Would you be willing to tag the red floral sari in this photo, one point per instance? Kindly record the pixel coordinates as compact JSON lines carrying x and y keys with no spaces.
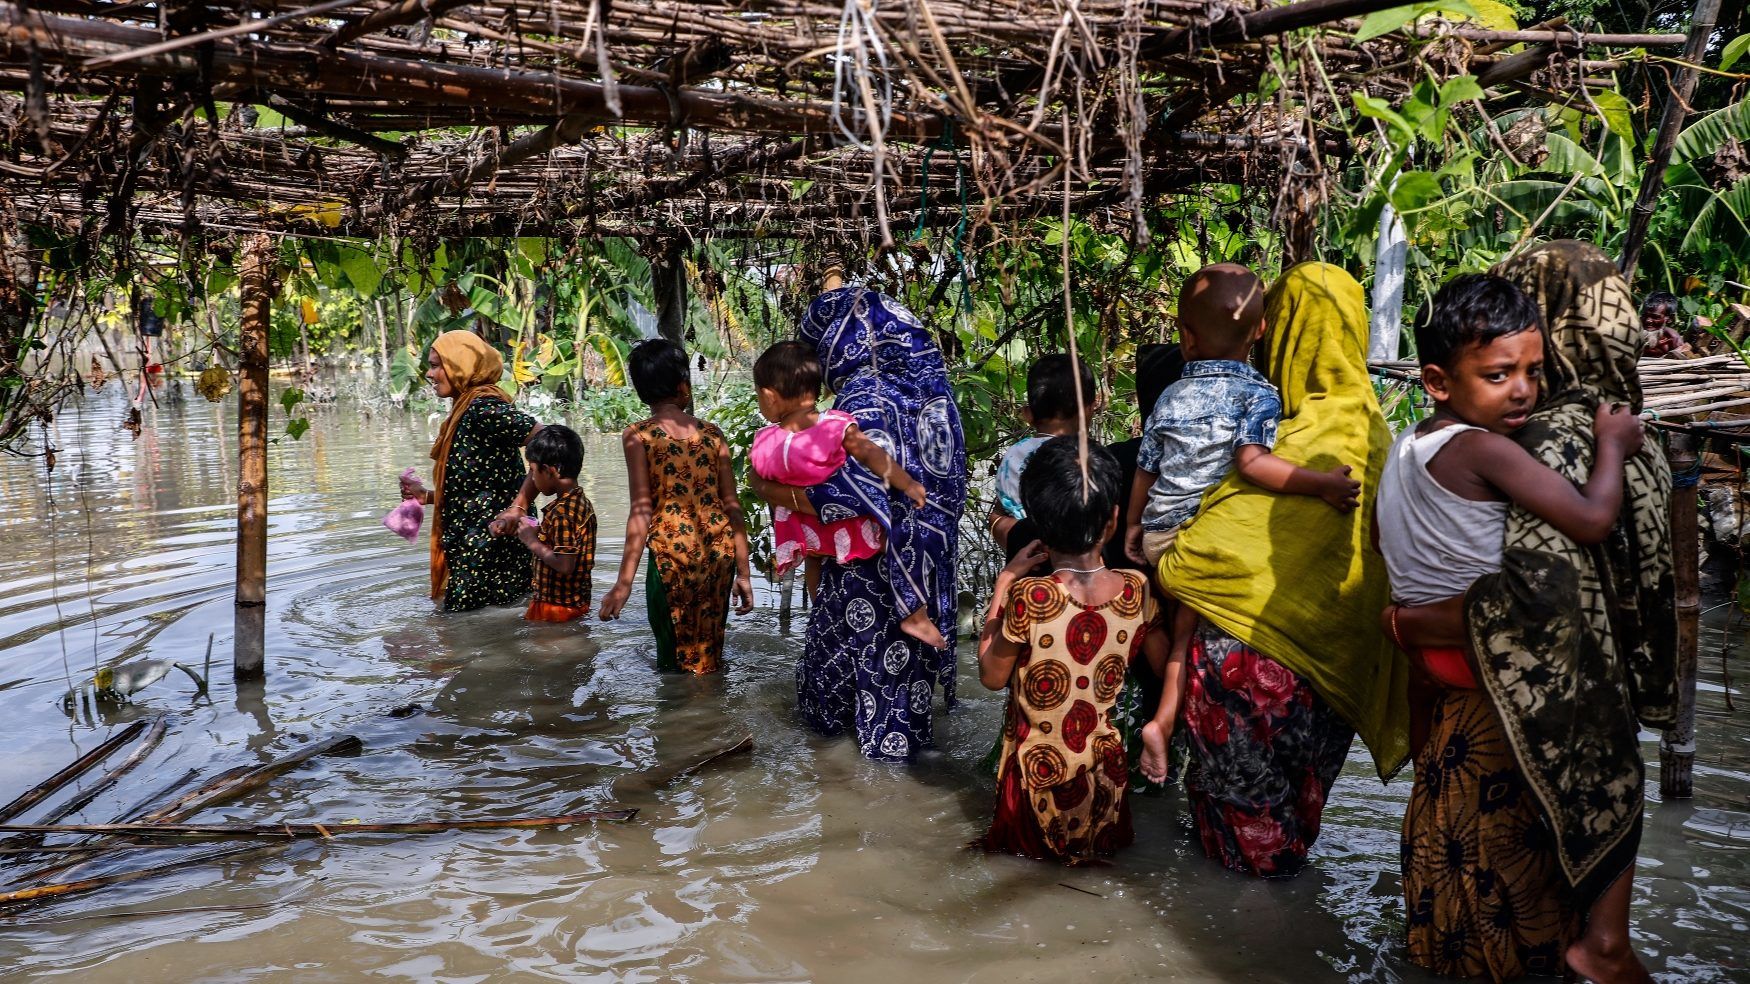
{"x":1264,"y":751}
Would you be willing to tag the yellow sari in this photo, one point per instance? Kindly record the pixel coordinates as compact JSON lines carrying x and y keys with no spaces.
{"x":1288,"y":575}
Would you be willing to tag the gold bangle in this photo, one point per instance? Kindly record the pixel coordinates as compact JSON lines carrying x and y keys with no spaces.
{"x":1397,"y":640}
{"x":795,"y":500}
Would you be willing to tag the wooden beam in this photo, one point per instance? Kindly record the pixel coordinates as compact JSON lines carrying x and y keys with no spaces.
{"x":1677,"y":744}
{"x":394,"y":15}
{"x":301,"y":71}
{"x":1261,"y":23}
{"x":1701,"y":27}
{"x":318,"y":123}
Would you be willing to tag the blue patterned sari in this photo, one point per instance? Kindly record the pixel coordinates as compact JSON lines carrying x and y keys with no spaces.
{"x":858,"y":671}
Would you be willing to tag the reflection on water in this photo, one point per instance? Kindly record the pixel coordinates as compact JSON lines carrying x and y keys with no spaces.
{"x":799,"y":861}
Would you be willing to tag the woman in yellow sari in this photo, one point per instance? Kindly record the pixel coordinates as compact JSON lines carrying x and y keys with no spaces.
{"x":1288,"y":663}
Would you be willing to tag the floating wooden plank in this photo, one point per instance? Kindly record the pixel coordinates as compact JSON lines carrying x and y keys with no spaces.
{"x":79,"y":767}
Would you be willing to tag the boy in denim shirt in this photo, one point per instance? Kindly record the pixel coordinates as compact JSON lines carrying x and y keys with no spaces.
{"x":1221,"y":414}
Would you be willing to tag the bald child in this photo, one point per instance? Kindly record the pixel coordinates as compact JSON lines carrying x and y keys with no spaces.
{"x":1220,"y":415}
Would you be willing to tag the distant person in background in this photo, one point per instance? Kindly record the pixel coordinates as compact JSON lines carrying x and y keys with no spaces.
{"x":480,"y":487}
{"x":1052,"y":412}
{"x":684,"y":509}
{"x":1158,"y":366}
{"x":1659,"y":315}
{"x":564,"y":541}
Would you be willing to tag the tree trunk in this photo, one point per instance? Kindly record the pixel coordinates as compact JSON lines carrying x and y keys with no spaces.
{"x":257,"y":291}
{"x":668,"y":274}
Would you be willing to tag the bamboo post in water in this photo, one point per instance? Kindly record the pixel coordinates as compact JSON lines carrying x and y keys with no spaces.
{"x":1677,"y":745}
{"x":257,"y":288}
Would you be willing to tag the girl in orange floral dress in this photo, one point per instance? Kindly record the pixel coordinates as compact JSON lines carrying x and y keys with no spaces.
{"x":684,"y":509}
{"x":1065,"y":642}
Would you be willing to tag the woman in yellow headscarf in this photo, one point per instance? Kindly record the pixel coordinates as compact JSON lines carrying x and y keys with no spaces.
{"x":478,"y":478}
{"x":1288,"y":662}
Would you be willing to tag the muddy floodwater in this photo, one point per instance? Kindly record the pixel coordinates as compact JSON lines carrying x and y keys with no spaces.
{"x":800,"y":861}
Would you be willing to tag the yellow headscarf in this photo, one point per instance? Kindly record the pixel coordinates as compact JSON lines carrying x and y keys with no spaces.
{"x":474,"y":369}
{"x":1286,"y":574}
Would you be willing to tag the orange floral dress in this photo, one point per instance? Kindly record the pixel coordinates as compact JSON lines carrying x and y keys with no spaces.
{"x":692,"y":547}
{"x":1063,"y":771}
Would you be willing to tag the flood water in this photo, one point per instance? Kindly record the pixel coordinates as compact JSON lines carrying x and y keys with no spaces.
{"x":799,"y":861}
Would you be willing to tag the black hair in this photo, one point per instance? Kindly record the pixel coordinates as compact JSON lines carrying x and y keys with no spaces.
{"x":659,"y":370}
{"x":1472,"y":308}
{"x":1660,"y":299}
{"x":1158,"y":366}
{"x":1051,"y":492}
{"x":791,"y":369}
{"x":1051,"y":390}
{"x":558,"y":446}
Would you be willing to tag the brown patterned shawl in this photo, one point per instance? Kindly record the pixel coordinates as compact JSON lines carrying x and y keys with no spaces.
{"x":1576,"y":645}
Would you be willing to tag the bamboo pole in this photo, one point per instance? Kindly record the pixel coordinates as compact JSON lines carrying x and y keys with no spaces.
{"x":79,"y":767}
{"x":1701,"y":27}
{"x":147,"y":745}
{"x":1677,"y":744}
{"x":42,"y":892}
{"x":250,"y":639}
{"x":307,"y":831}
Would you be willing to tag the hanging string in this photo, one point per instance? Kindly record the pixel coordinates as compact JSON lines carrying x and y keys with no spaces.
{"x":1069,"y":324}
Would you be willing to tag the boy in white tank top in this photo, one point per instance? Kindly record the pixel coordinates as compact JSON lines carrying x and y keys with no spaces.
{"x":1442,"y":507}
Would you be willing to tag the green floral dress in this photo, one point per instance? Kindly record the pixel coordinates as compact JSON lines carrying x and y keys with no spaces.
{"x":484,"y":472}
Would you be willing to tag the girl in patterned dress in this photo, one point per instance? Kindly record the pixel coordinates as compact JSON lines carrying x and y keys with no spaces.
{"x":1064,"y":643}
{"x":684,"y":509}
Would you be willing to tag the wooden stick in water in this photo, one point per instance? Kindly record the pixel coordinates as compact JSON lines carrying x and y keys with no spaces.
{"x":300,"y":831}
{"x":228,"y":786}
{"x":154,"y":735}
{"x":222,"y":788}
{"x":79,"y":767}
{"x":657,"y":778}
{"x":43,"y":892}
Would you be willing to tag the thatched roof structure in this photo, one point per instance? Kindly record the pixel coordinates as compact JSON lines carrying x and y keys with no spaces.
{"x":560,"y":117}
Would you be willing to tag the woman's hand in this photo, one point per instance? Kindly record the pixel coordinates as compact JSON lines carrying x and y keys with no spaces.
{"x":1025,"y":560}
{"x":528,"y":534}
{"x":615,"y":601}
{"x":507,"y":522}
{"x":743,"y":594}
{"x":414,"y":489}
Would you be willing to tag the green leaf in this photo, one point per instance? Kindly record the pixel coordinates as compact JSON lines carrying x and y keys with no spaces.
{"x":1733,"y":51}
{"x":1703,"y":137}
{"x":1618,"y":115}
{"x":360,"y":269}
{"x":799,"y":187}
{"x":1414,"y":189}
{"x":1460,"y":88}
{"x":296,"y":427}
{"x":404,"y":373}
{"x":291,"y":398}
{"x":1382,"y":22}
{"x":1401,"y":130}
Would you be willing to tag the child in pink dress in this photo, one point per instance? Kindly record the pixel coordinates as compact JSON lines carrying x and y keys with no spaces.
{"x":804,"y":446}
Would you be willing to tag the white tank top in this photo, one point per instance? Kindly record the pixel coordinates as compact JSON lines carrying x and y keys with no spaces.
{"x":1435,"y":541}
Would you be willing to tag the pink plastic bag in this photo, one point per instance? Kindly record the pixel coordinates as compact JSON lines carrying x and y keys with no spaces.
{"x":404,"y":520}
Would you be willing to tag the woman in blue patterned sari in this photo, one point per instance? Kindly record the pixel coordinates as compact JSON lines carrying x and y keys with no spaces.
{"x":858,"y":671}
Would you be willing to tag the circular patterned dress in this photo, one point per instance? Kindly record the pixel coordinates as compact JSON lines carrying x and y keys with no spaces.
{"x":481,"y":478}
{"x":1063,"y":771}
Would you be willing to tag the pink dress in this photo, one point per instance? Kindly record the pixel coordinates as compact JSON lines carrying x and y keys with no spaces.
{"x":804,"y":458}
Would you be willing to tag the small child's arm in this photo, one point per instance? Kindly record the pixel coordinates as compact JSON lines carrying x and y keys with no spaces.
{"x":562,"y":561}
{"x":743,"y":589}
{"x":882,"y":464}
{"x":1256,"y":464}
{"x":1157,"y":733}
{"x":997,"y":653}
{"x":637,"y":524}
{"x":1585,"y":515}
{"x":1139,"y":487}
{"x":1000,"y":525}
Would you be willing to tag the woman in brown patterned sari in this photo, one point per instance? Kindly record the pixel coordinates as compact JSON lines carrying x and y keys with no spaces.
{"x":1519,"y":842}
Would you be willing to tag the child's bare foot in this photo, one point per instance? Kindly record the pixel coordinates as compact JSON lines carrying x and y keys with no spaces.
{"x":919,"y":627}
{"x":1606,"y":961}
{"x":1154,"y":752}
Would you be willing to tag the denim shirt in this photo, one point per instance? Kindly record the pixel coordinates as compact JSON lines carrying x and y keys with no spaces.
{"x":1194,"y":431}
{"x":1009,"y":470}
